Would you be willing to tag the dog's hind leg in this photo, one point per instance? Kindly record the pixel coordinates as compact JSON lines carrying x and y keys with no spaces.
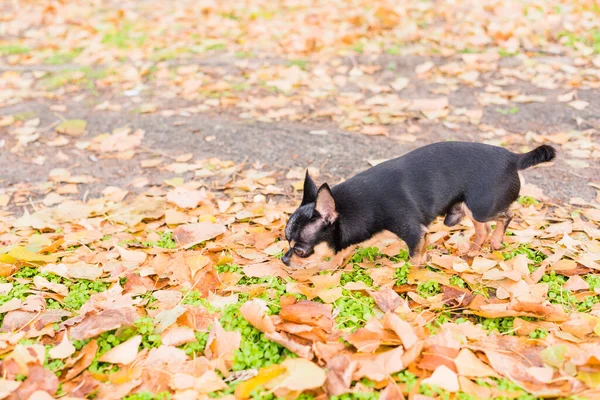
{"x":502,"y":221}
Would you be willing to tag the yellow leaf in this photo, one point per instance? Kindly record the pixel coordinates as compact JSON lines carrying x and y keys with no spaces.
{"x":301,"y":374}
{"x":19,"y":253}
{"x":6,"y":259}
{"x":73,"y":127}
{"x":243,"y":390}
{"x":207,"y":218}
{"x":592,"y":379}
{"x":225,"y":258}
{"x":597,"y":329}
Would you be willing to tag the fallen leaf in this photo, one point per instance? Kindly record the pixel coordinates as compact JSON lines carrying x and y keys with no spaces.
{"x":8,"y":386}
{"x":209,"y":382}
{"x":469,"y":365}
{"x":542,"y":374}
{"x":124,"y":353}
{"x":403,"y":329}
{"x":379,"y":366}
{"x":64,"y":349}
{"x":186,"y":198}
{"x":221,"y":346}
{"x":576,"y":283}
{"x":309,"y":313}
{"x":166,"y":318}
{"x":178,"y":335}
{"x":554,"y":355}
{"x":444,"y":378}
{"x":374,"y":130}
{"x":300,"y":375}
{"x":578,"y":104}
{"x":72,"y":127}
{"x":255,"y":312}
{"x":104,"y":321}
{"x":189,"y":235}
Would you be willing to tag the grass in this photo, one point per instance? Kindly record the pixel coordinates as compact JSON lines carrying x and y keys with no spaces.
{"x":354,"y":310}
{"x":24,"y":116}
{"x":303,"y":64}
{"x":527,"y":201}
{"x":428,"y":289}
{"x":168,"y":54}
{"x":366,"y":253}
{"x":590,"y":38}
{"x":534,"y":255}
{"x":393,"y":50}
{"x":64,"y":57}
{"x":506,"y":53}
{"x":12,"y":49}
{"x":456,"y":280}
{"x":123,"y":38}
{"x":82,"y":76}
{"x":357,"y":274}
{"x":108,"y":340}
{"x":149,"y":396}
{"x":255,"y":351}
{"x":508,"y":111}
{"x":165,"y":241}
{"x":80,"y":290}
{"x":504,"y":325}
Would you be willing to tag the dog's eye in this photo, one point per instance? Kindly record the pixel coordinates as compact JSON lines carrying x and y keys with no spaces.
{"x":299,"y":252}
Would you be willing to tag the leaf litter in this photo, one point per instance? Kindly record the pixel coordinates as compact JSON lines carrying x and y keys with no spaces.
{"x":94,"y":298}
{"x":180,"y":291}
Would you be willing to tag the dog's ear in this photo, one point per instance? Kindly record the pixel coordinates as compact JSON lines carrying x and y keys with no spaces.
{"x":325,"y":204}
{"x":310,"y":190}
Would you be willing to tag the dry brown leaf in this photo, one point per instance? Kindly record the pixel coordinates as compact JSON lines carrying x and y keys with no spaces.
{"x":444,"y":378}
{"x":309,"y":313}
{"x":469,"y":365}
{"x":221,"y":346}
{"x":374,"y":130}
{"x":386,"y":299}
{"x":178,"y":335}
{"x":189,"y":235}
{"x":186,"y":198}
{"x":104,"y":321}
{"x":124,"y":353}
{"x":255,"y":312}
{"x":403,"y":329}
{"x":379,"y":366}
{"x":63,"y":350}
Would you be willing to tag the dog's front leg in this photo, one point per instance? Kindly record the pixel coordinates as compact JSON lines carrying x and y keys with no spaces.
{"x":416,"y":240}
{"x":417,"y":254}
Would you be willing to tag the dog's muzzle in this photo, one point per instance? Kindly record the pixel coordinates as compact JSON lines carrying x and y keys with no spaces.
{"x":287,"y":257}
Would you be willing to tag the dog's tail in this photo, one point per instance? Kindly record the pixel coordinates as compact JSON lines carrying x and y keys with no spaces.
{"x":541,"y":154}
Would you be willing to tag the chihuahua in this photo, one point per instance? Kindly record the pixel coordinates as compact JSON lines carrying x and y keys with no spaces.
{"x":406,"y":194}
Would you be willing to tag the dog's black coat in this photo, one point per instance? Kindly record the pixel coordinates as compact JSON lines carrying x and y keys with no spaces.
{"x":406,"y":194}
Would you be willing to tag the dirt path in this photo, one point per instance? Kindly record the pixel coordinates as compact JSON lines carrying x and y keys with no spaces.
{"x":284,"y":144}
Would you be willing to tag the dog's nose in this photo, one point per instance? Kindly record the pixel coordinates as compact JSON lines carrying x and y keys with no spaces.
{"x":287,"y":257}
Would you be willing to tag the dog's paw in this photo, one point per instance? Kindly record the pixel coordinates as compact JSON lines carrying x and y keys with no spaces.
{"x":496,"y":244}
{"x":473,"y":250}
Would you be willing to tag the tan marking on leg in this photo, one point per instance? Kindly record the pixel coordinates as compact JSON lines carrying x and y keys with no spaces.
{"x":482,"y":232}
{"x":502,"y":221}
{"x":417,"y":259}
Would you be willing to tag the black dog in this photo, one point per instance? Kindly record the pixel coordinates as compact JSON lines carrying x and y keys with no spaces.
{"x":406,"y":194}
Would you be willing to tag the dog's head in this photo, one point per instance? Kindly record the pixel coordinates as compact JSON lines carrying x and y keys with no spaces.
{"x":313,"y":223}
